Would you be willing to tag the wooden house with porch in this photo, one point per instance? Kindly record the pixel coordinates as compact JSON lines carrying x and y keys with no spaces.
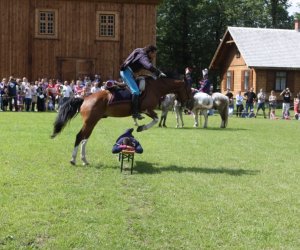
{"x":67,"y":39}
{"x":259,"y":58}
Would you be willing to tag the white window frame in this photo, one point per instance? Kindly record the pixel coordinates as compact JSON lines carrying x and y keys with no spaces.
{"x":49,"y":23}
{"x":246,"y":79}
{"x":228,"y":79}
{"x":107,"y":25}
{"x":280,"y":80}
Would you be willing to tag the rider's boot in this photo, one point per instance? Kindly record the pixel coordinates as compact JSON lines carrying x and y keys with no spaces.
{"x":135,"y":108}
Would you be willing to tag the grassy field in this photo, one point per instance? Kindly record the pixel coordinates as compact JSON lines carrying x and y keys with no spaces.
{"x":212,"y":188}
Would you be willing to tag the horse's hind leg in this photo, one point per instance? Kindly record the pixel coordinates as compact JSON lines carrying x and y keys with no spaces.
{"x":75,"y":150}
{"x":204,"y":112}
{"x":82,"y":137}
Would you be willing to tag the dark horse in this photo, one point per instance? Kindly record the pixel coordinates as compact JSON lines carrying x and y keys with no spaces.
{"x":96,"y":106}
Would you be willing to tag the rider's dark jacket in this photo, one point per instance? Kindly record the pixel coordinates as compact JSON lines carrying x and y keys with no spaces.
{"x":138,"y":60}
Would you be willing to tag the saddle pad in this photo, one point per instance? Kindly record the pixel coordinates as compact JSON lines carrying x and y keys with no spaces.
{"x":119,"y":96}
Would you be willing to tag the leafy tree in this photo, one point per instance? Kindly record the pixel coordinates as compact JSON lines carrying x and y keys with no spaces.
{"x":189,"y":31}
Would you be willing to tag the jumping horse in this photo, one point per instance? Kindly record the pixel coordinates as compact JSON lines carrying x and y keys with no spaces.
{"x":97,"y":106}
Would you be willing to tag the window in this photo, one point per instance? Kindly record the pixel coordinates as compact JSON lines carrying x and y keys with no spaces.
{"x":280,"y":83}
{"x":228,"y":79}
{"x":246,"y":79}
{"x":107,"y":25}
{"x":46,"y":23}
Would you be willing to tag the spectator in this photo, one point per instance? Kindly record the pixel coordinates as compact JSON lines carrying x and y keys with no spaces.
{"x":28,"y":96}
{"x":239,"y":104}
{"x":231,"y":104}
{"x":95,"y":87}
{"x":78,"y":91}
{"x":5,"y":98}
{"x":297,"y":107}
{"x":41,"y":95}
{"x":97,"y":78}
{"x":128,"y":142}
{"x":272,"y":105}
{"x":2,"y":85}
{"x":250,"y":99}
{"x":261,"y":99}
{"x":87,"y":89}
{"x":12,"y":94}
{"x":67,"y":92}
{"x":286,"y":94}
{"x":58,"y":87}
{"x":34,"y":87}
{"x":51,"y":92}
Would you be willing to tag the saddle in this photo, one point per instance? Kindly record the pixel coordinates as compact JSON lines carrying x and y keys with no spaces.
{"x":120,"y":93}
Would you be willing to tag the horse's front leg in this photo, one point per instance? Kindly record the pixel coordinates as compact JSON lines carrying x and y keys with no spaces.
{"x":155,"y":119}
{"x":181,"y":117}
{"x":83,"y":156}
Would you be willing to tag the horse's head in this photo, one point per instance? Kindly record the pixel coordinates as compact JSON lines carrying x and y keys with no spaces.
{"x":184,"y":95}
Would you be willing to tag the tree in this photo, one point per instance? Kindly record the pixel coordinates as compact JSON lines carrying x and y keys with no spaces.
{"x":189,"y":31}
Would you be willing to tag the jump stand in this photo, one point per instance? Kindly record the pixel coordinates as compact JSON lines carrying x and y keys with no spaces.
{"x":126,"y":155}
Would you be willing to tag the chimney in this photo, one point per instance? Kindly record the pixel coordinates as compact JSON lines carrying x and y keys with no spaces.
{"x":297,"y":28}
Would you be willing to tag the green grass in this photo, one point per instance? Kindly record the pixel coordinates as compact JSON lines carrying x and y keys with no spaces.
{"x":234,"y":188}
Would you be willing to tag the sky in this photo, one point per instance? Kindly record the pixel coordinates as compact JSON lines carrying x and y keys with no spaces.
{"x":294,"y":8}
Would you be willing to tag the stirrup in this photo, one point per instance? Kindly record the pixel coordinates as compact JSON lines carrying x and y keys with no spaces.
{"x":138,"y":116}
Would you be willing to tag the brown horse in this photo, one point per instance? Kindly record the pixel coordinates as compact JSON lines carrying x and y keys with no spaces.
{"x":96,"y":106}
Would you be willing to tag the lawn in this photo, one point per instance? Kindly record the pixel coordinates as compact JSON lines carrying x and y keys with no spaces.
{"x":233,"y":188}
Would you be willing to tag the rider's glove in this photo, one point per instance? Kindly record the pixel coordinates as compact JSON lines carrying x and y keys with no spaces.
{"x":161,"y":74}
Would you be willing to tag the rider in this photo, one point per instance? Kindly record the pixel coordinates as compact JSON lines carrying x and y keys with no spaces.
{"x":140,"y":58}
{"x":205,"y":83}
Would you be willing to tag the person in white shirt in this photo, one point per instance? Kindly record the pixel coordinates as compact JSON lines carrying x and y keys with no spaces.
{"x":239,"y":104}
{"x":95,"y":87}
{"x":261,"y":99}
{"x":28,"y":96}
{"x":66,"y":92}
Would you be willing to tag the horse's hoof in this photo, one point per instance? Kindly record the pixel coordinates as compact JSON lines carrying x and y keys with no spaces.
{"x":73,"y":163}
{"x":140,"y":128}
{"x":85,"y":164}
{"x":165,"y":126}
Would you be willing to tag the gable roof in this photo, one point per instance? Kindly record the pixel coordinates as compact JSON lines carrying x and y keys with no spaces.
{"x":265,"y":48}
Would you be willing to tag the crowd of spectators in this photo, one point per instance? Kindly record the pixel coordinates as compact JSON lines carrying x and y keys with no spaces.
{"x":19,"y":94}
{"x":261,"y":102}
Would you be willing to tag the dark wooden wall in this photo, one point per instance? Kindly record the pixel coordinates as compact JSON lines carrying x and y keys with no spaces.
{"x":21,"y":54}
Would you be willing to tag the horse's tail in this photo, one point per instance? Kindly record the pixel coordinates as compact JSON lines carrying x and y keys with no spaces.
{"x":221,"y":103}
{"x":66,"y":112}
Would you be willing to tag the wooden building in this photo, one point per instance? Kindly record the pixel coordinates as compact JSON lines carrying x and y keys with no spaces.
{"x":259,"y":58}
{"x":67,"y":39}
